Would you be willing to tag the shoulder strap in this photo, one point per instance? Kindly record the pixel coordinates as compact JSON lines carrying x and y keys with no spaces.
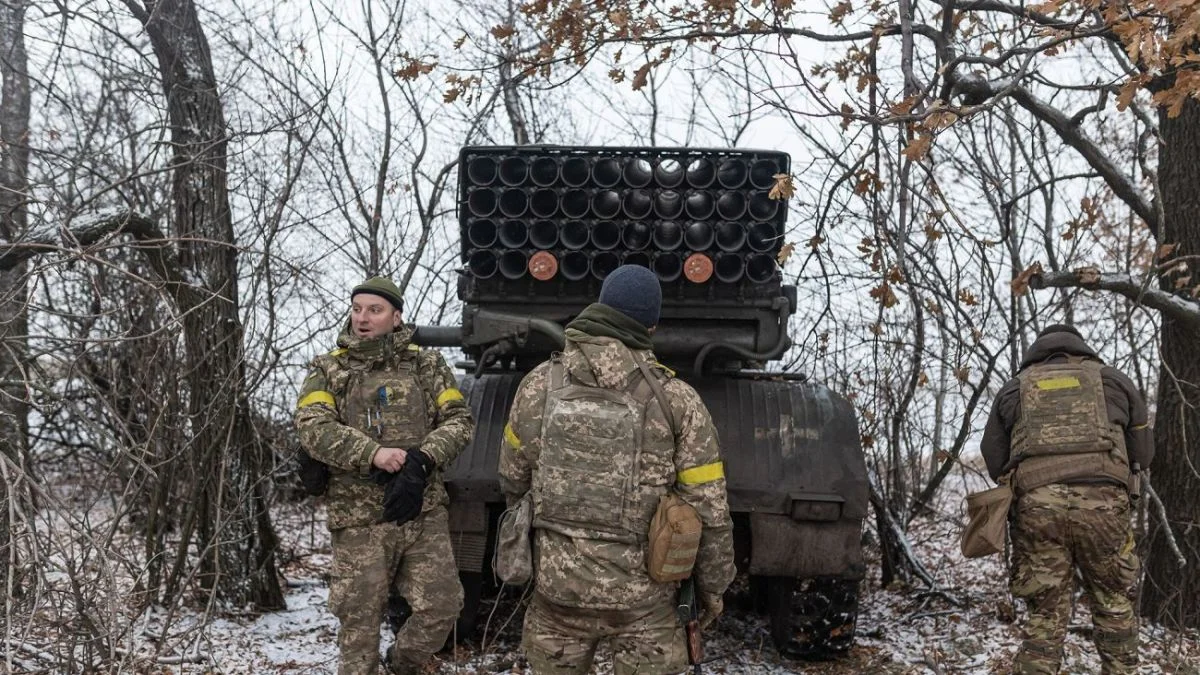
{"x":661,"y":395}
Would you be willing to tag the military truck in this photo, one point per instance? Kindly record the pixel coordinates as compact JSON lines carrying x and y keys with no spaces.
{"x":541,"y":226}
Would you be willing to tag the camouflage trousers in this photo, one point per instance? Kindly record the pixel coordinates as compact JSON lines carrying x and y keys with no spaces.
{"x":563,"y":640}
{"x":1059,"y":529}
{"x":416,"y":560}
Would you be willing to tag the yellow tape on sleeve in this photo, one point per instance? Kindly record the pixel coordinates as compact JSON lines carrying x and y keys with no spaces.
{"x":510,"y":437}
{"x":317,"y":397}
{"x":698,"y":475}
{"x":449,"y":396}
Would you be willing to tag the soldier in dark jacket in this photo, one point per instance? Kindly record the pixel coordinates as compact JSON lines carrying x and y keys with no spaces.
{"x":386,"y":417}
{"x":1070,"y":433}
{"x":597,"y":447}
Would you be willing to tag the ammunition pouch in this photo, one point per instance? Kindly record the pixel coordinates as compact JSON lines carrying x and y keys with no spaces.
{"x":674,"y":540}
{"x":514,"y":546}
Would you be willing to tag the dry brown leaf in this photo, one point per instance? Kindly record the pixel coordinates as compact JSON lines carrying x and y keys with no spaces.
{"x":641,"y":76}
{"x":412,"y":67}
{"x":1165,"y":251}
{"x":847,"y":116}
{"x":783,"y":187}
{"x":503,"y":31}
{"x":884,"y":295}
{"x":840,"y":11}
{"x":963,"y":374}
{"x":1020,"y":285}
{"x":918,"y":148}
{"x":785,"y":252}
{"x":904,"y":107}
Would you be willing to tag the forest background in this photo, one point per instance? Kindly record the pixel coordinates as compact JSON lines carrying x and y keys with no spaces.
{"x":187,"y":189}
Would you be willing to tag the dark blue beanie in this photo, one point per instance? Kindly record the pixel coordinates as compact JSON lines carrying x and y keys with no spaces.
{"x":634,"y":291}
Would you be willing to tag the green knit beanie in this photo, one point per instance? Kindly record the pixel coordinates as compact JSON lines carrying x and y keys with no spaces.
{"x":383,"y":287}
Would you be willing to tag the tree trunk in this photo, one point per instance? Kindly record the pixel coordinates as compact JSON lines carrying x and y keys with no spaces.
{"x":14,"y":347}
{"x":229,"y":521}
{"x":1171,"y":594}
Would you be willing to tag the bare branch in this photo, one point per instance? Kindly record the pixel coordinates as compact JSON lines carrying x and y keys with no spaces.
{"x":1186,"y":312}
{"x":90,"y":231}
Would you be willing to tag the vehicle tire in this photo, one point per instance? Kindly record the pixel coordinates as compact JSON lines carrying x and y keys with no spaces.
{"x":815,"y":620}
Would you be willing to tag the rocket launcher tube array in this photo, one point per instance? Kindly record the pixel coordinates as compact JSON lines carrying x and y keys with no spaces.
{"x":574,"y":217}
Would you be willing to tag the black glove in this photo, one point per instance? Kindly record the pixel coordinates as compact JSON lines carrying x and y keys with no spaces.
{"x":380,"y":476}
{"x":314,"y":475}
{"x":405,"y":492}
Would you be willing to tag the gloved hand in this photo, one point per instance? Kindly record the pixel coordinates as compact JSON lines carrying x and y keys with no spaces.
{"x":314,"y":474}
{"x":711,"y":606}
{"x":381,"y":477}
{"x":405,"y":492}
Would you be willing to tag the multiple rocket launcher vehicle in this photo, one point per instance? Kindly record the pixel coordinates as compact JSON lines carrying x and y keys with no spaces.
{"x":540,"y":227}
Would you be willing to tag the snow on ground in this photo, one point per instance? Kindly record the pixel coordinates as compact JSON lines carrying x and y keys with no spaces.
{"x":900,"y":630}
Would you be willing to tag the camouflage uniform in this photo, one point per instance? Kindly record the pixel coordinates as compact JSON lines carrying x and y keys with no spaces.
{"x":1068,"y":428}
{"x":591,"y":578}
{"x":365,"y":395}
{"x":1058,"y":528}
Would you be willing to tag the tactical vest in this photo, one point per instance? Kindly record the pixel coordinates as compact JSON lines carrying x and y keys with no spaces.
{"x":591,"y":481}
{"x":386,"y":403}
{"x":1064,"y":434}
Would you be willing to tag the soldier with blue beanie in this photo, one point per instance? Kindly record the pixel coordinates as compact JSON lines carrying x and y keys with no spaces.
{"x":596,"y":472}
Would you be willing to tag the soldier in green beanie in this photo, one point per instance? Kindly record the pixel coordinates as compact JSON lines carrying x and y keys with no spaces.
{"x":386,"y":417}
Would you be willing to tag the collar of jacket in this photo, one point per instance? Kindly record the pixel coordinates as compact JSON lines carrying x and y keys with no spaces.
{"x":378,"y":350}
{"x":600,"y":320}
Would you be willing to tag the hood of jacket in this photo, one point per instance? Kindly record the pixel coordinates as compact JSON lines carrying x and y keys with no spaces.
{"x":601,"y":361}
{"x":1053,"y":344}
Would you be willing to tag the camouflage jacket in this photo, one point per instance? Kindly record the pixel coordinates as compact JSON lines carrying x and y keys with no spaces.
{"x":594,"y":572}
{"x":368,"y":394}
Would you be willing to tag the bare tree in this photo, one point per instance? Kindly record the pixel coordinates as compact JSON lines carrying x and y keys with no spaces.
{"x":230,"y":520}
{"x":14,"y":347}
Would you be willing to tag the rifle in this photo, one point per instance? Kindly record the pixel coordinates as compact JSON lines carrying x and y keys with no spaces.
{"x":689,"y":615}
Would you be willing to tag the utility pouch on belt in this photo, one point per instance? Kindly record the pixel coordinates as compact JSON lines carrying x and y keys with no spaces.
{"x":674,"y":540}
{"x":514,"y":549}
{"x":987,"y":524}
{"x":1134,"y":485}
